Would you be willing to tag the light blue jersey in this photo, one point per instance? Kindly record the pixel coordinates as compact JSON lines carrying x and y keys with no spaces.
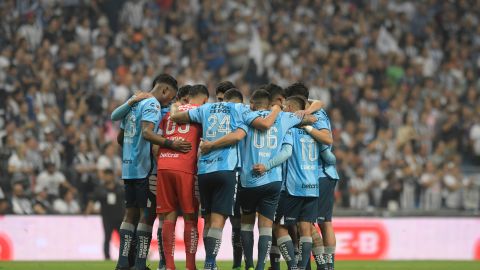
{"x":261,"y":146}
{"x":302,"y":167}
{"x":138,"y":161}
{"x":218,"y":120}
{"x":323,"y":122}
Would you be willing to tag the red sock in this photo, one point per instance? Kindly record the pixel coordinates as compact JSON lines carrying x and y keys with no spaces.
{"x":168,"y":239}
{"x":190,"y":236}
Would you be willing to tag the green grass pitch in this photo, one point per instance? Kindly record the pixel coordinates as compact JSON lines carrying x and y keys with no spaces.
{"x":341,"y":265}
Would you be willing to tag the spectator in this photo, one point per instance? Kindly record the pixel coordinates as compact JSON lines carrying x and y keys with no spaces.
{"x":4,"y":205}
{"x":21,"y":204}
{"x":41,"y":203}
{"x":111,"y":197}
{"x":453,"y":184}
{"x":109,"y":160}
{"x":359,"y":190}
{"x":66,"y":204}
{"x":430,"y":181}
{"x":51,"y":180}
{"x":19,"y":167}
{"x":85,"y":168}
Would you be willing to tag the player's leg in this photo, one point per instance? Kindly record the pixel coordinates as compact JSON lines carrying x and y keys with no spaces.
{"x":248,"y":201}
{"x":144,"y":229}
{"x":285,"y":218}
{"x":161,"y":252}
{"x":308,"y":216}
{"x":167,"y":206}
{"x":318,"y":249}
{"x":207,"y":186}
{"x":266,"y":209}
{"x":236,"y":222}
{"x":127,"y":228}
{"x":285,"y":245}
{"x":305,"y":244}
{"x":189,"y":205}
{"x":329,"y":242}
{"x":223,"y":185}
{"x":274,"y":252}
{"x":326,"y":201}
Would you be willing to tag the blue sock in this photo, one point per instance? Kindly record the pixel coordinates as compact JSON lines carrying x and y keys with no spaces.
{"x":212,"y":246}
{"x":275,"y":257}
{"x":264,"y":245}
{"x":247,"y":244}
{"x":127,"y":233}
{"x":237,"y":247}
{"x":161,"y":262}
{"x":305,"y":250}
{"x":287,"y":250}
{"x":144,"y":236}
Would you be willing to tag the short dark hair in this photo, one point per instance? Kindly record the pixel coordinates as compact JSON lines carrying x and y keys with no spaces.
{"x":232,"y":94}
{"x":261,"y":95}
{"x":299,"y":101}
{"x":183,"y":91}
{"x":166,"y":79}
{"x":198,"y":89}
{"x":273,"y":89}
{"x":297,"y":88}
{"x":224,"y":87}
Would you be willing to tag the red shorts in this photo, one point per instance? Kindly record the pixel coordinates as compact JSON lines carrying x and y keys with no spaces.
{"x":176,"y":190}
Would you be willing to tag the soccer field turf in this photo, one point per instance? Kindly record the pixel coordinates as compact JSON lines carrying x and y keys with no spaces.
{"x":342,"y":265}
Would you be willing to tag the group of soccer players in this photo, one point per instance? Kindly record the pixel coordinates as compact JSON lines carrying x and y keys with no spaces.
{"x":271,"y":160}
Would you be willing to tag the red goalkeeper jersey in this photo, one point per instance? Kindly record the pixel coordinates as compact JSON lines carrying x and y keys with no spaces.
{"x":169,"y":159}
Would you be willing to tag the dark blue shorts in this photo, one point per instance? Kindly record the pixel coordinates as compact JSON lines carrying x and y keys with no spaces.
{"x":293,"y":209}
{"x":136,"y":193}
{"x":262,"y":199}
{"x":218,"y":192}
{"x":326,"y":199}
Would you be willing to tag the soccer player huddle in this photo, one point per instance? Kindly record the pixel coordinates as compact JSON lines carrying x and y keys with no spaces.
{"x":271,"y":161}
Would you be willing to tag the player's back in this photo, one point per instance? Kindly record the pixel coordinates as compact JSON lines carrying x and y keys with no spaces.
{"x":302,"y":168}
{"x":218,"y":120}
{"x":169,"y":159}
{"x":262,"y":146}
{"x":137,"y":158}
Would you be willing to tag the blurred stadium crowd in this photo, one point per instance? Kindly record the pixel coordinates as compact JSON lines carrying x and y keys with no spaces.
{"x":400,"y":80}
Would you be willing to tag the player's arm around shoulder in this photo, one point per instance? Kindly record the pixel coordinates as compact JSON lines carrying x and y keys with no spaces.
{"x":149,"y":135}
{"x":230,"y":139}
{"x":322,"y":136}
{"x":184,"y":116}
{"x":267,"y":122}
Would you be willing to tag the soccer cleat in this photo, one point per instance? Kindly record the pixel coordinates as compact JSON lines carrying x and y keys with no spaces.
{"x":161,"y":268}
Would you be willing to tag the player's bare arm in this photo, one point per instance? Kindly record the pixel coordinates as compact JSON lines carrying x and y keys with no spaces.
{"x":120,"y":137}
{"x":315,"y":106}
{"x":180,"y":117}
{"x":267,"y":122}
{"x":121,"y":111}
{"x":225,"y":141}
{"x":323,"y":136}
{"x":177,"y":145}
{"x":308,"y":120}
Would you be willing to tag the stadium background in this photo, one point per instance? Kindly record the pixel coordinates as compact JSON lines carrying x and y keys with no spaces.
{"x":400,"y":80}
